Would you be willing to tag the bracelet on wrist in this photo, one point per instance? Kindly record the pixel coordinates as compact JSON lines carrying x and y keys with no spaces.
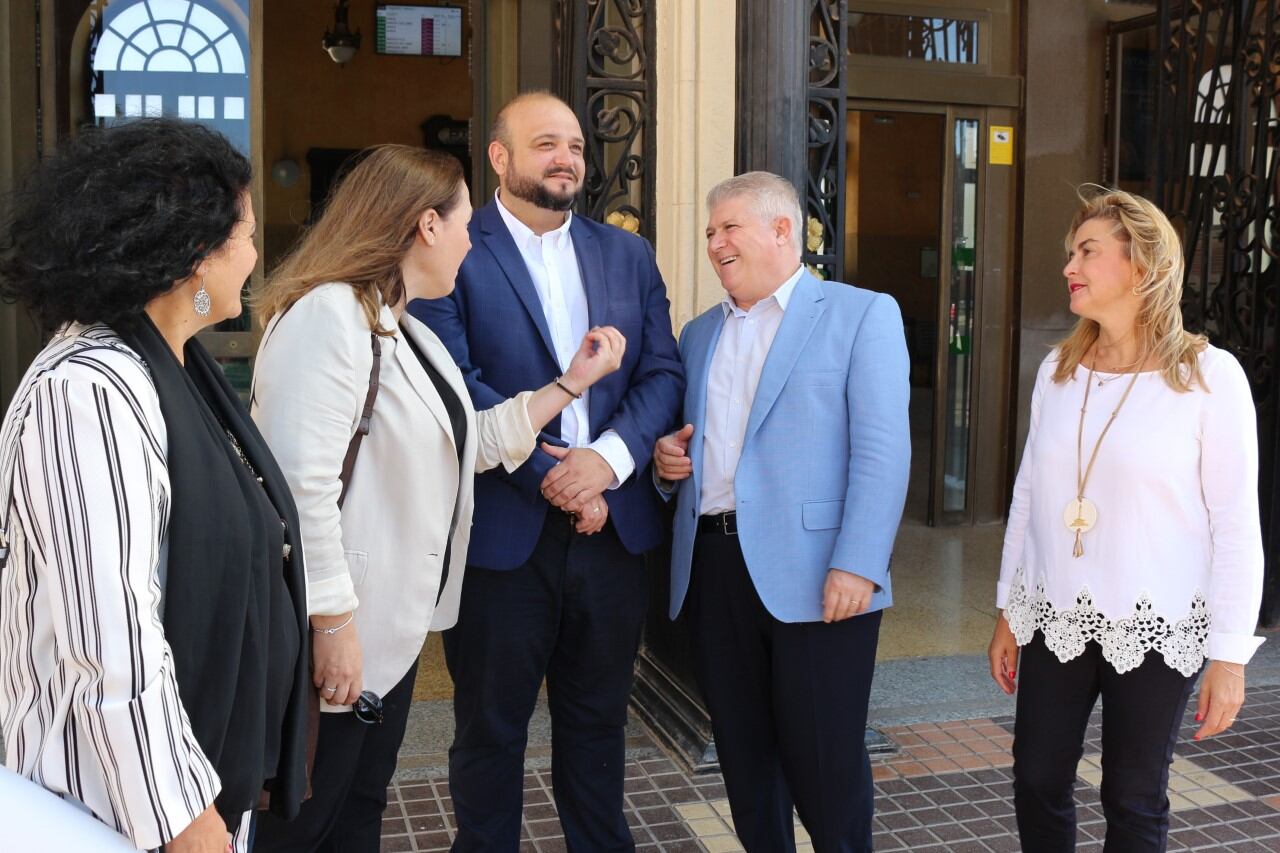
{"x":336,"y":628}
{"x":1239,"y":674}
{"x":565,"y":389}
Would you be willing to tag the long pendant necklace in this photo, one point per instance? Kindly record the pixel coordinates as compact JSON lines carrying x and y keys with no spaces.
{"x":1081,"y":514}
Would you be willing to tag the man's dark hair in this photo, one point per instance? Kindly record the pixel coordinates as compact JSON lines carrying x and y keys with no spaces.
{"x":116,"y":216}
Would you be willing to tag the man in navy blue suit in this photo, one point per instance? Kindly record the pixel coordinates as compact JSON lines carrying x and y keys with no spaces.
{"x":555,"y":585}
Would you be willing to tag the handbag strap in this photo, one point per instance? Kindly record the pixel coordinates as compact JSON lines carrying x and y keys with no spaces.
{"x":366,"y":413}
{"x":366,"y":416}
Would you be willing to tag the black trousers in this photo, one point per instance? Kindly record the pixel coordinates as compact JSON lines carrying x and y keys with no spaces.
{"x":354,"y":764}
{"x":788,"y":706}
{"x":1141,"y":713}
{"x":573,"y":615}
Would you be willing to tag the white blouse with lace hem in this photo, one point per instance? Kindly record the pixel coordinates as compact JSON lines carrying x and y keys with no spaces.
{"x":1174,"y":563}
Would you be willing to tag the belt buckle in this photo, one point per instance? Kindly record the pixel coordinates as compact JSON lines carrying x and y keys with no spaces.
{"x":729,"y":522}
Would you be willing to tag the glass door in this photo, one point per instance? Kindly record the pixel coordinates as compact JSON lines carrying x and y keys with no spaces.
{"x":954,"y":391}
{"x":913,"y":215}
{"x":894,"y":200}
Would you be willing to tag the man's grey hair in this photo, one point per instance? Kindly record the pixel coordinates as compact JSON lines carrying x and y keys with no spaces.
{"x":771,"y":197}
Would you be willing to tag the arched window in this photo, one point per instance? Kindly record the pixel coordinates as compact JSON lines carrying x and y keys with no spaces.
{"x":175,"y":58}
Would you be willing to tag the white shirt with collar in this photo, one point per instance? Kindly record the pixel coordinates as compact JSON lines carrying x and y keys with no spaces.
{"x":731,"y":389}
{"x":557,"y":277}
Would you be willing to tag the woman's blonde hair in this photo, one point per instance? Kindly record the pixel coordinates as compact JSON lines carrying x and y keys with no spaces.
{"x":369,"y":222}
{"x":1153,"y":246}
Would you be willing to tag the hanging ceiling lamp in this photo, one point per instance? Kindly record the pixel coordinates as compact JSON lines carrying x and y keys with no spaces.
{"x":341,"y":44}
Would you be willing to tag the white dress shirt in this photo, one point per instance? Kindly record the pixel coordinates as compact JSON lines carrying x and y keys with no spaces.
{"x":1174,"y":562}
{"x":553,"y":266}
{"x":731,"y":389}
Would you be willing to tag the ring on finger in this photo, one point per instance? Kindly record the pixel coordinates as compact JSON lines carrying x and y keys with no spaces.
{"x":331,"y":690}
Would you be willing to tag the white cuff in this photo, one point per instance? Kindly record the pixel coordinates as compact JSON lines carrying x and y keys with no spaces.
{"x":1002,"y":594}
{"x":1231,"y":648}
{"x":614,"y":450}
{"x":331,"y":596}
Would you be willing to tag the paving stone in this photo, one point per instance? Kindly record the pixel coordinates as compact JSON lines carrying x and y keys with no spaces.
{"x":948,"y":789}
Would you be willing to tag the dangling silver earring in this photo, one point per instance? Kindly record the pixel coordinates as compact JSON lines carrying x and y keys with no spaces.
{"x":202,"y":302}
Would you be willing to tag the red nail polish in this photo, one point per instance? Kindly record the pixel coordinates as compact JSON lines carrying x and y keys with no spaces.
{"x":1013,"y":674}
{"x":1199,"y":716}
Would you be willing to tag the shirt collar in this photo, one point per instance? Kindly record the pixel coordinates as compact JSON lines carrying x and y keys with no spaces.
{"x":782,"y":295}
{"x":523,"y":233}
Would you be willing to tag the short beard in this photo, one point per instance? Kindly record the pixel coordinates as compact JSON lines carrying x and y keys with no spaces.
{"x":535,"y":193}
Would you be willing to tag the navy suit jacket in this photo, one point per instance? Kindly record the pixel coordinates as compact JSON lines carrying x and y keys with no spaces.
{"x":494,"y":327}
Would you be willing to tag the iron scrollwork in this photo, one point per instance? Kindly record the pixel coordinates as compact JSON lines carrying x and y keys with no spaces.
{"x":606,"y":74}
{"x":1217,"y":178}
{"x":825,"y":138}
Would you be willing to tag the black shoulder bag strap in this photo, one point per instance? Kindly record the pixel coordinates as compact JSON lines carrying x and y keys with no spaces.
{"x":366,"y":414}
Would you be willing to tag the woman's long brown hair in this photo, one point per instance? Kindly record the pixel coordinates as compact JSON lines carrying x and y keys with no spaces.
{"x":369,"y":222}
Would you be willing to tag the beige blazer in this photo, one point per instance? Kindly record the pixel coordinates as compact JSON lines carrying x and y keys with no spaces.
{"x":382,"y":553}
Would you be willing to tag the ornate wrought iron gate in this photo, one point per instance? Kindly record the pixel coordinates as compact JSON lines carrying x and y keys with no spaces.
{"x":825,"y":136}
{"x":1216,"y":176}
{"x":605,"y":72}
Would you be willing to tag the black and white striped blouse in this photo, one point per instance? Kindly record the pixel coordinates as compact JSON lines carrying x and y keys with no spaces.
{"x":89,"y":707}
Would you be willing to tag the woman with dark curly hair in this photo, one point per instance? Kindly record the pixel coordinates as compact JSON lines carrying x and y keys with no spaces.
{"x":153,"y":645}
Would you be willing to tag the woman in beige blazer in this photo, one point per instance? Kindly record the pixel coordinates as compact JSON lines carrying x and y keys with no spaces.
{"x":385,"y":545}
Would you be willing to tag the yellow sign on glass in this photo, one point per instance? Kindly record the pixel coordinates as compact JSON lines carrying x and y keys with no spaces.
{"x":1001,"y":147}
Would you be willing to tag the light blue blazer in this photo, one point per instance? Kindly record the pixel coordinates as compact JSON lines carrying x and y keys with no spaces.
{"x":823,"y":474}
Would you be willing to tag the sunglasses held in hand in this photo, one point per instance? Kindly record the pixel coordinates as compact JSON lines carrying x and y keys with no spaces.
{"x":368,"y":708}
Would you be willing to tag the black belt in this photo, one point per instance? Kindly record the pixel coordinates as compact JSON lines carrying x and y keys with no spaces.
{"x":726,"y":523}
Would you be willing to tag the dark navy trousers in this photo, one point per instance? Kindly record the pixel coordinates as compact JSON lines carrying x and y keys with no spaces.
{"x":1142,"y":711}
{"x":788,"y":706}
{"x":354,"y":765}
{"x":572,"y":615}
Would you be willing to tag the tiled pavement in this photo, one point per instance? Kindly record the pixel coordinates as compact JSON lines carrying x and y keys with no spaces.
{"x":946,"y":790}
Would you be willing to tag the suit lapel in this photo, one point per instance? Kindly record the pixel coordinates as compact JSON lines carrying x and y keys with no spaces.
{"x":797,"y":325}
{"x":591,"y":269}
{"x":500,"y":243}
{"x":418,"y":378}
{"x":702,"y":346}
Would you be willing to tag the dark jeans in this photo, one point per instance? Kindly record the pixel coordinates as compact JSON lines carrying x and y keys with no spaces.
{"x":354,"y":764}
{"x":571,"y":614}
{"x":788,"y":706}
{"x":1141,"y":713}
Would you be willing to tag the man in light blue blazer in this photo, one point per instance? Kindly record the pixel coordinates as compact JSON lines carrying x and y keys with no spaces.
{"x":789,"y":479}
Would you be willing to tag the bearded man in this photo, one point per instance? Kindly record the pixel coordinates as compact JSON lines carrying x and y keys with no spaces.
{"x":555,"y":585}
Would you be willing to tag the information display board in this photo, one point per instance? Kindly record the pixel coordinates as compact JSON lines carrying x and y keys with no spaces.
{"x":420,"y":30}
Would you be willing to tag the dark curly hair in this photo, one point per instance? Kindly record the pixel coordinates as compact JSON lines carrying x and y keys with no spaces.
{"x":116,"y":216}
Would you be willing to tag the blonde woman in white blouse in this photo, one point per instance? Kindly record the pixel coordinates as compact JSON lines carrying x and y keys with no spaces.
{"x":1133,"y":553}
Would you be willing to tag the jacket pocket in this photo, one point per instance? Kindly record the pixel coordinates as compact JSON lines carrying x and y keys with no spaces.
{"x":821,"y":515}
{"x":357,"y":566}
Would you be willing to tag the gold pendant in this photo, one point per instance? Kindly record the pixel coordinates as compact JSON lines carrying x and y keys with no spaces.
{"x":1080,"y":515}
